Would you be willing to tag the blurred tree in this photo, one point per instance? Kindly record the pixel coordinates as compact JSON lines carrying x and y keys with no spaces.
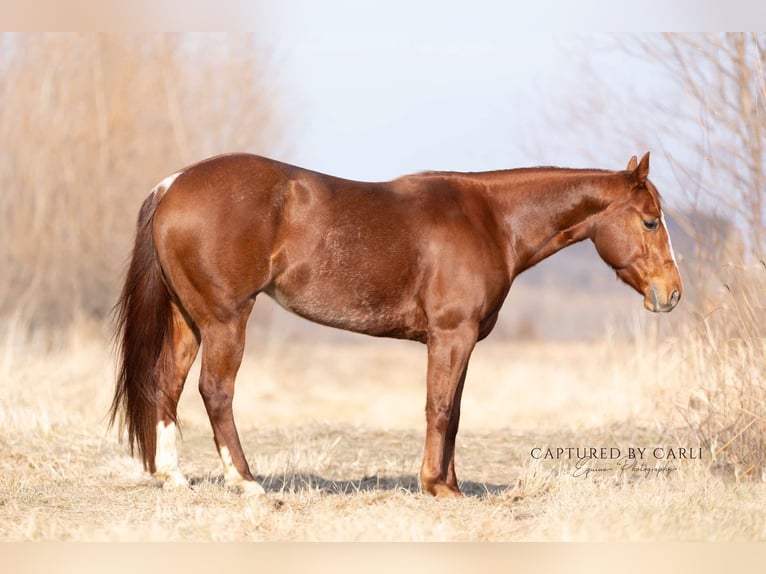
{"x":723,"y":78}
{"x":89,"y":123}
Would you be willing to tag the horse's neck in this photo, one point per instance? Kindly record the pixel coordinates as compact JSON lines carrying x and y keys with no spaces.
{"x":544,"y":211}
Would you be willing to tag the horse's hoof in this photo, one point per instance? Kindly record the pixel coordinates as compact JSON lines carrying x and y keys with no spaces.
{"x":173,"y":480}
{"x":448,"y":492}
{"x":248,"y":488}
{"x":441,"y":490}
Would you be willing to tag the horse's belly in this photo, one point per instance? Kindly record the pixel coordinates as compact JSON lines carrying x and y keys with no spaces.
{"x":352,"y":310}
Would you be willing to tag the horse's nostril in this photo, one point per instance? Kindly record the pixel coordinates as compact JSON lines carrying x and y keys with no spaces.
{"x":674,"y":296}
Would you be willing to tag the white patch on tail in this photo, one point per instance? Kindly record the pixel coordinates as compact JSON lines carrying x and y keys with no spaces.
{"x":233,"y":479}
{"x":166,"y":456}
{"x":162,"y":187}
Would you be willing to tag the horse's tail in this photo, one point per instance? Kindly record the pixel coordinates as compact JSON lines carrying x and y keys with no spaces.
{"x":144,"y":336}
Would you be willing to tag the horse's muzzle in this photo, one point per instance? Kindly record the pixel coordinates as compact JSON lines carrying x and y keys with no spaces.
{"x":655,"y":302}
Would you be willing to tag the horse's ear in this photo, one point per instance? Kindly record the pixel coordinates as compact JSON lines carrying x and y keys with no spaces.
{"x":642,"y":171}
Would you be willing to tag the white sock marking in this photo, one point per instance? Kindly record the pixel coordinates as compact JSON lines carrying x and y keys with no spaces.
{"x":233,"y":479}
{"x":166,"y":456}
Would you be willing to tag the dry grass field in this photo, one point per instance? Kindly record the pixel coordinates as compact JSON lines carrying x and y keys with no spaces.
{"x":334,"y":433}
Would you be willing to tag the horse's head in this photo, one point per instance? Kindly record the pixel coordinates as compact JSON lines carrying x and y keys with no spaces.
{"x":631,"y":236}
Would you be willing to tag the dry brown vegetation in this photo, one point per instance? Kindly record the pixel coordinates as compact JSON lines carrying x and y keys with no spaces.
{"x":728,"y":357}
{"x":339,"y":467}
{"x":90,"y":123}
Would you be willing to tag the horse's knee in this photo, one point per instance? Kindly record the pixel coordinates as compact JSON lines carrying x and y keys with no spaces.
{"x":438,"y":418}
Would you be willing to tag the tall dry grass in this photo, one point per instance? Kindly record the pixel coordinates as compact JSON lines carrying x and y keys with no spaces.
{"x":88,"y":124}
{"x":726,"y":355}
{"x":710,"y":359}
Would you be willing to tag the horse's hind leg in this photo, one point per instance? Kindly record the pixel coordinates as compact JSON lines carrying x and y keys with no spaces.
{"x":185,"y":347}
{"x":223,"y":344}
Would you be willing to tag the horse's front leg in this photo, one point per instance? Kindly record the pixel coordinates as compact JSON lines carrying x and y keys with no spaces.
{"x":448,"y":354}
{"x":454,"y":421}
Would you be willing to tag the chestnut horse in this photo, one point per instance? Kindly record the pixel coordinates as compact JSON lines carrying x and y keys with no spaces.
{"x":428,"y":257}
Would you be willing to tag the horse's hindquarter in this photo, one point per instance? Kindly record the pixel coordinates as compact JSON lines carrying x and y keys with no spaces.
{"x":214,"y":230}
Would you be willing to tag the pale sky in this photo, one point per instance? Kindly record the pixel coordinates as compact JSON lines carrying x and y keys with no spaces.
{"x":373,"y":94}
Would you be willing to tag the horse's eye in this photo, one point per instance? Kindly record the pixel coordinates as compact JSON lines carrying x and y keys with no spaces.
{"x":652,"y":224}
